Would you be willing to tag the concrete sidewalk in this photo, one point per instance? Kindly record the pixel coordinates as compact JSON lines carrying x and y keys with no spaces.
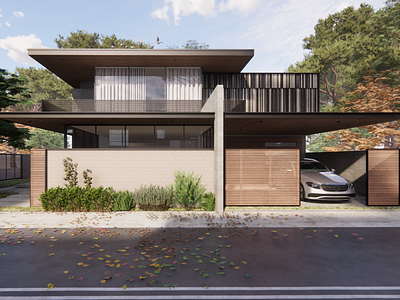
{"x":228,"y":219}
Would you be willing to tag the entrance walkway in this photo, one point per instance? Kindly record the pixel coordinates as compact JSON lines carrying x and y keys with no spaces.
{"x":22,"y":197}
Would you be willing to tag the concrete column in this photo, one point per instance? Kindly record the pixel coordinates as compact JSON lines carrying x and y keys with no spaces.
{"x":215,"y":103}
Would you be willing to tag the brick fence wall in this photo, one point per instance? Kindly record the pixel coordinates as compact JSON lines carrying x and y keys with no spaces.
{"x":129,"y":169}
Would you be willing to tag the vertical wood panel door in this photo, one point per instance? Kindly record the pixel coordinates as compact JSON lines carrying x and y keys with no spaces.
{"x":383,"y":177}
{"x":262,"y":177}
{"x":38,"y":175}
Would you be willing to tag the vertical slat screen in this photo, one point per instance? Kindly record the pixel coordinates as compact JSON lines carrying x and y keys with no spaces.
{"x":265,"y":92}
{"x":262,"y":177}
{"x":383,"y":177}
{"x":38,"y":175}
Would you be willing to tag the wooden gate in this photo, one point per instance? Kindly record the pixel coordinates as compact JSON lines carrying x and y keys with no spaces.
{"x":262,"y":177}
{"x":383,"y":177}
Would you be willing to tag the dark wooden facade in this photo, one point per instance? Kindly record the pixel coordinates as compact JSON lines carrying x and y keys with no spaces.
{"x":265,"y":92}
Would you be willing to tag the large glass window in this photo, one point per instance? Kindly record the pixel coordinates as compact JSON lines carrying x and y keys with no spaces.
{"x":111,"y":136}
{"x":194,"y":136}
{"x":169,"y":137}
{"x":141,"y":136}
{"x":151,"y":83}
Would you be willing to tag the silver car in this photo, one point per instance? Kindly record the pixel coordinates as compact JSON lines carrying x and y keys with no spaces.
{"x":320,"y":183}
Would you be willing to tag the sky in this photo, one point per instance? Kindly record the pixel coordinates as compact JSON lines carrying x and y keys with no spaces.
{"x":275,"y":29}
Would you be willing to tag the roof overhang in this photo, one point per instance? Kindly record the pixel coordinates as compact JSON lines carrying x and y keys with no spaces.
{"x":76,"y":65}
{"x":56,"y":121}
{"x":299,"y":123}
{"x":235,"y":124}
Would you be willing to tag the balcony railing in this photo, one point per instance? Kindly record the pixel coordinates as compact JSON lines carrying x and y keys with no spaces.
{"x":124,"y":106}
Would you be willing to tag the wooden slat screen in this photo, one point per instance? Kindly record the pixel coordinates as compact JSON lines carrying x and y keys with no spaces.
{"x":383,"y":177}
{"x":262,"y":177}
{"x":38,"y":175}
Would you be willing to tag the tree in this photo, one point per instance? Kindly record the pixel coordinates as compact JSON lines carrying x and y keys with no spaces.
{"x":191,"y":44}
{"x":347,"y":44}
{"x":379,"y":93}
{"x":10,"y":87}
{"x":44,"y":85}
{"x":83,"y":39}
{"x":45,"y":139}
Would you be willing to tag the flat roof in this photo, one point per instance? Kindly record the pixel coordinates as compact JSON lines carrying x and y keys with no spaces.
{"x":235,"y":123}
{"x":76,"y":65}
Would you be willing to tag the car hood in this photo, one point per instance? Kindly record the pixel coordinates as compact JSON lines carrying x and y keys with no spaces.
{"x":322,"y":177}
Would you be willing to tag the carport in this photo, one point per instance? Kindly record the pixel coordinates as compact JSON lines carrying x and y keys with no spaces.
{"x":262,"y":156}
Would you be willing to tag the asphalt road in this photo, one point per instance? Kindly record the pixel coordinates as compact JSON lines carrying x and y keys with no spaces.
{"x":194,"y":263}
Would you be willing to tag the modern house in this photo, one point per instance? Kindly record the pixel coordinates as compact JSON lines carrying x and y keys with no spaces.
{"x":139,"y":115}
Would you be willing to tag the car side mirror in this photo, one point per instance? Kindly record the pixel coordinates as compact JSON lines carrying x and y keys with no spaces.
{"x":333,"y":170}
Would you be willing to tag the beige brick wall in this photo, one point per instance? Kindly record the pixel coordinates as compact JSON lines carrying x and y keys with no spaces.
{"x":128,"y":169}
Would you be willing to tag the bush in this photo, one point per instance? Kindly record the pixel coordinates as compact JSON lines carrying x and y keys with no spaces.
{"x":208,"y":202}
{"x":77,"y":199}
{"x":187,"y":190}
{"x":123,"y":200}
{"x":152,"y":198}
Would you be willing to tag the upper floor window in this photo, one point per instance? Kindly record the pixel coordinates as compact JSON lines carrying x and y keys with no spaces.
{"x":151,"y":83}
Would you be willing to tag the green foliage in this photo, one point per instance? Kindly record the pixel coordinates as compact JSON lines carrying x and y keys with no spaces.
{"x":10,"y":88}
{"x":77,"y":199}
{"x":152,"y":197}
{"x":71,"y":174}
{"x":191,"y":44}
{"x":347,"y":44}
{"x":321,"y":141}
{"x":208,"y":202}
{"x":43,"y":85}
{"x":83,"y":39}
{"x":45,"y":139}
{"x":123,"y":200}
{"x":12,"y":182}
{"x":87,"y":180}
{"x":187,"y":190}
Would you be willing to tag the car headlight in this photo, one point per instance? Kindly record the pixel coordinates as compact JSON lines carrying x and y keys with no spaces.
{"x":313,"y":185}
{"x":351,"y":185}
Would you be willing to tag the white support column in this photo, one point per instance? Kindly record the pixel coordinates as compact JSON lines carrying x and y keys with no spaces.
{"x":215,"y":103}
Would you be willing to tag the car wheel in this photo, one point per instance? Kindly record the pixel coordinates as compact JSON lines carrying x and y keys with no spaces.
{"x":302,"y":196}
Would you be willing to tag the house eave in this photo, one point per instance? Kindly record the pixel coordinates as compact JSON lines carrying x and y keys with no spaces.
{"x":77,"y":65}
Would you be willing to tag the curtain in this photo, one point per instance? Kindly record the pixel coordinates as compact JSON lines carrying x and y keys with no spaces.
{"x":111,"y":84}
{"x":137,"y":89}
{"x":183,"y":84}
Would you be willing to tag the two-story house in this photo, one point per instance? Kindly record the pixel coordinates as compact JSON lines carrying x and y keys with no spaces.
{"x":139,"y":115}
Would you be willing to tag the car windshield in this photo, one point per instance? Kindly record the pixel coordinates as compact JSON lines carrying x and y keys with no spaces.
{"x":312,"y":166}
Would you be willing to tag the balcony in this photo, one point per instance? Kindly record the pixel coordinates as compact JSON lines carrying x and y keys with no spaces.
{"x":123,"y":106}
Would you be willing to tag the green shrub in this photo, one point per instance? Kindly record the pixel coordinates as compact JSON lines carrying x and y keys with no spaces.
{"x":77,"y":199}
{"x":152,"y":198}
{"x":208,"y":202}
{"x":123,"y":200}
{"x":187,"y":190}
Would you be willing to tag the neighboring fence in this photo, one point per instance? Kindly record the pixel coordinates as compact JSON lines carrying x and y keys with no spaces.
{"x":10,"y":166}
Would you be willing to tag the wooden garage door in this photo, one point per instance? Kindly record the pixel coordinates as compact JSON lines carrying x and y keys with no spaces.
{"x":383,"y":177}
{"x":262,"y":177}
